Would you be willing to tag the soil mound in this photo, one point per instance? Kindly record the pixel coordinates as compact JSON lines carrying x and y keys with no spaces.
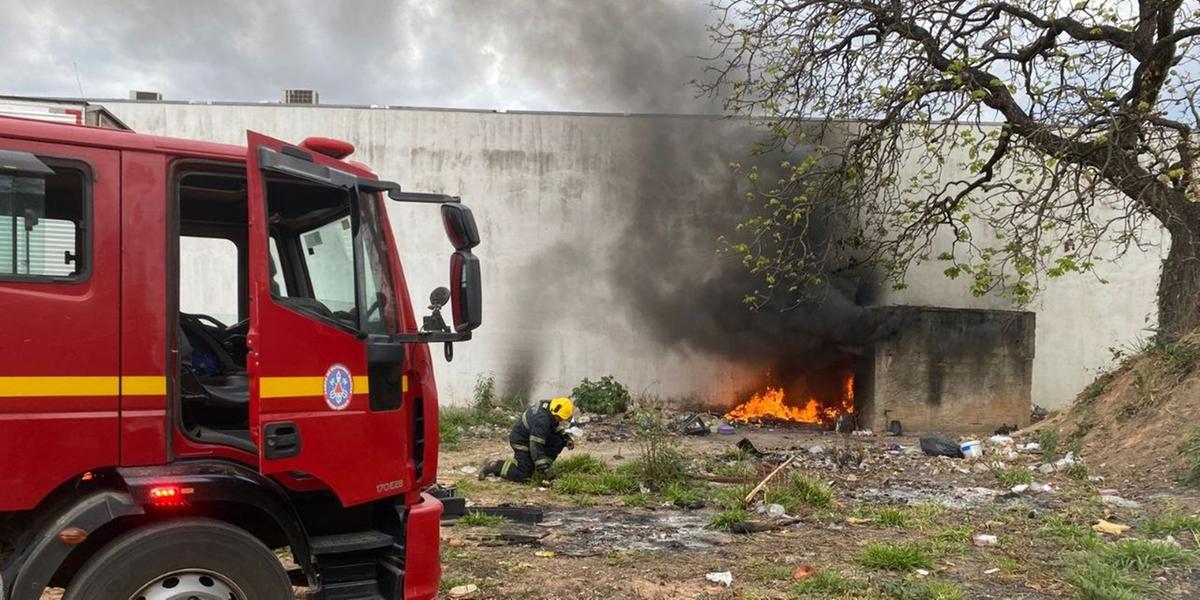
{"x":1138,"y":425}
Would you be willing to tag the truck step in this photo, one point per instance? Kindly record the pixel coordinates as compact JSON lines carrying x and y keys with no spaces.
{"x":341,"y":543}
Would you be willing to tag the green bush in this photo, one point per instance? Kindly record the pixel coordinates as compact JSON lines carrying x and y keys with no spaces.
{"x":606,"y":396}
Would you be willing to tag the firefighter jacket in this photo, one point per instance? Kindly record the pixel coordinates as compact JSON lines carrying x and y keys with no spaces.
{"x":536,"y":432}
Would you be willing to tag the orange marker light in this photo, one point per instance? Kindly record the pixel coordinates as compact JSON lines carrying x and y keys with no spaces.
{"x":72,"y":536}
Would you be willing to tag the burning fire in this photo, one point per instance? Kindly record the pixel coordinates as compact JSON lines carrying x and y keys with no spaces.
{"x":772,"y":404}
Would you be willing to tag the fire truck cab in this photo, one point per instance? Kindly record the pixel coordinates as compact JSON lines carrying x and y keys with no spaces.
{"x":151,"y":451}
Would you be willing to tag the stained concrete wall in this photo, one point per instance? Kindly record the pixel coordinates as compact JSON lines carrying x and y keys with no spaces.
{"x":557,"y":195}
{"x":949,"y":369}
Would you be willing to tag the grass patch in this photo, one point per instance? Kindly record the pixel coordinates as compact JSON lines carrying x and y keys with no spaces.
{"x":683,"y":494}
{"x":825,"y":583}
{"x":1169,"y":522}
{"x":950,"y":541}
{"x":798,"y":491}
{"x":635,"y":500}
{"x":1078,"y":472}
{"x":1095,"y":580}
{"x":475,"y":519}
{"x":912,"y":588}
{"x":890,"y":516}
{"x":1013,"y":476}
{"x":1190,"y":448}
{"x":763,"y":571}
{"x":894,"y":557}
{"x":1145,"y":555}
{"x":1048,"y":443}
{"x":728,"y":518}
{"x":579,"y":463}
{"x":1068,"y":534}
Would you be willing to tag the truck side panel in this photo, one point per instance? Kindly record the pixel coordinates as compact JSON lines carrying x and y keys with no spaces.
{"x":143,"y":308}
{"x":60,"y":376}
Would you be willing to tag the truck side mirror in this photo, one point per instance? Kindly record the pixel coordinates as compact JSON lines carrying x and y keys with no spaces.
{"x":460,"y":226}
{"x":466,"y":294}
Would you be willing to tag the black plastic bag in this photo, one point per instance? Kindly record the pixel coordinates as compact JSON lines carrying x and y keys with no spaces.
{"x":935,"y":445}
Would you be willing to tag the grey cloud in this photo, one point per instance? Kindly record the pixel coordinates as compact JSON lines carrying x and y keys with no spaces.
{"x":607,"y":55}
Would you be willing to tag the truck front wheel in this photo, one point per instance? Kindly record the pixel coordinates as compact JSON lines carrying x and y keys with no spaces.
{"x":184,"y":559}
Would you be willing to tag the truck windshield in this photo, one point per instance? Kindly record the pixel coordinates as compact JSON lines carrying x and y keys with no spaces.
{"x":313,"y":235}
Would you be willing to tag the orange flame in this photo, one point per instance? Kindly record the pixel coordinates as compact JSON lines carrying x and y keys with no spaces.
{"x":772,"y":404}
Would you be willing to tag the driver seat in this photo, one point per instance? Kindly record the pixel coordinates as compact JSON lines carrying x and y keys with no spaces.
{"x":225,"y":388}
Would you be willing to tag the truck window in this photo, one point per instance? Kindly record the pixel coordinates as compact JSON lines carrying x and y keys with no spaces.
{"x":313,"y":227}
{"x":41,"y":225}
{"x":208,"y":277}
{"x":328,"y":253}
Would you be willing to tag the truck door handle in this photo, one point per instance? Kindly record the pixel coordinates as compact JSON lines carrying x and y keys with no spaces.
{"x":282,"y":440}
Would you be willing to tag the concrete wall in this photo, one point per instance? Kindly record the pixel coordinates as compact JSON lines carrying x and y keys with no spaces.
{"x":950,"y":370}
{"x":560,"y":199}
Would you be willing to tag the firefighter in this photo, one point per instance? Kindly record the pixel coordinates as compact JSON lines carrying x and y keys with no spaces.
{"x":537,"y":439}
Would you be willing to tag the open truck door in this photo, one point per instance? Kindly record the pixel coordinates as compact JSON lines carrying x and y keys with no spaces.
{"x":317,"y":286}
{"x":332,"y":336}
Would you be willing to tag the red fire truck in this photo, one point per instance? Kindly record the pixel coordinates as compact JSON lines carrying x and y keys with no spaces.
{"x":151,"y":453}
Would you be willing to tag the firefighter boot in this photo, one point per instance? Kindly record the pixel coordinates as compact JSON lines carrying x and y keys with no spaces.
{"x":490,"y":468}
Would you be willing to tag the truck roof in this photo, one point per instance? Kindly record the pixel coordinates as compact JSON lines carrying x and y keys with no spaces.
{"x":46,"y":131}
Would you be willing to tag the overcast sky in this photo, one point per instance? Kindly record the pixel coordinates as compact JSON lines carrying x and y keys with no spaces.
{"x":604,"y":55}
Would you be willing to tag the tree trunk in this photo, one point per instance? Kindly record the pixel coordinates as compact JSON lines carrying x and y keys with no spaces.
{"x":1179,"y":285}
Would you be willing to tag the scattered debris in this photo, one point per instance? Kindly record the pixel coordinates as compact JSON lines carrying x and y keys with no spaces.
{"x":845,"y":423}
{"x":773,"y":511}
{"x":463,"y":591}
{"x":1001,"y":440}
{"x":1005,"y":429}
{"x":1119,"y":502}
{"x":895,"y":429}
{"x":991,"y":571}
{"x":1109,"y":528}
{"x":984,"y":539}
{"x":803,"y":572}
{"x":816,"y":450}
{"x":694,"y":425}
{"x":971,"y":449}
{"x":469,"y":470}
{"x":863,"y":433}
{"x":921,"y":573}
{"x":1037,"y":414}
{"x":857,"y":521}
{"x":935,"y":445}
{"x":722,"y":577}
{"x":1019,"y":489}
{"x":745,"y":445}
{"x":545,"y":554}
{"x":760,"y":526}
{"x":758,"y":488}
{"x":1030,"y":447}
{"x":725,"y":429}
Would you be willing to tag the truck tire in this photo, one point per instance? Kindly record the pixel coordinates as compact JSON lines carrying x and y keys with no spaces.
{"x":185,"y":558}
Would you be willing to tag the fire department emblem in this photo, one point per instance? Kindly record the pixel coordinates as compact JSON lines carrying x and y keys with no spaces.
{"x":339,"y":385}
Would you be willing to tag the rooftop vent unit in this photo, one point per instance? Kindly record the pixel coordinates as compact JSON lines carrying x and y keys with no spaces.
{"x":145,"y":96}
{"x":296,"y":96}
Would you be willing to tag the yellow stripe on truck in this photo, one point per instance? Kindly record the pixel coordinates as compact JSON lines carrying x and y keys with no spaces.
{"x":103,"y":385}
{"x":296,"y":387}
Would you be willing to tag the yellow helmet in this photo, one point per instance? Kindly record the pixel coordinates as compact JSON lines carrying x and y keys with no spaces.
{"x":562,"y":408}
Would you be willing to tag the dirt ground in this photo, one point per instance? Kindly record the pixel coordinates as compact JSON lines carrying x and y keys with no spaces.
{"x":884,"y":491}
